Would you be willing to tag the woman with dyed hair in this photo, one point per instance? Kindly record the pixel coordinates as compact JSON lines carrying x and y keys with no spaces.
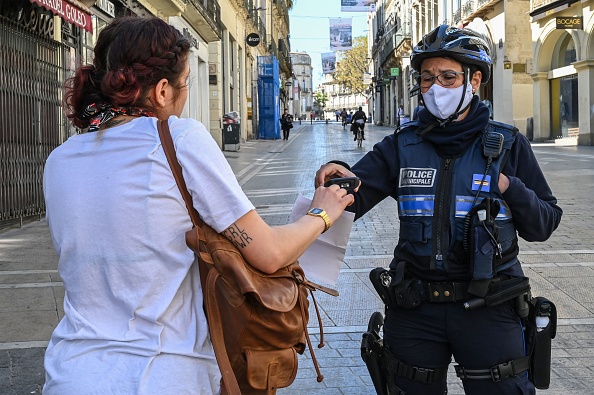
{"x":133,"y":320}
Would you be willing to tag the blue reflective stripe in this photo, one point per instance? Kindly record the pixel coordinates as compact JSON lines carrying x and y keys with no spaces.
{"x":464,"y":203}
{"x":416,"y":205}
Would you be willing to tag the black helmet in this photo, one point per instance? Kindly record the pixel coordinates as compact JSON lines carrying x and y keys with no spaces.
{"x":463,"y":45}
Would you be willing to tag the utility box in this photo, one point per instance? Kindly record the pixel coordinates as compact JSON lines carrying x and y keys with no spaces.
{"x":231,"y":131}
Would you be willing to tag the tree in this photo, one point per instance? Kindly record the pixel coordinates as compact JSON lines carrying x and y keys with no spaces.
{"x":351,"y":66}
{"x":320,"y":99}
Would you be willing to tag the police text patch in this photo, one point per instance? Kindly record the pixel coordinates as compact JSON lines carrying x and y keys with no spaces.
{"x":416,"y":177}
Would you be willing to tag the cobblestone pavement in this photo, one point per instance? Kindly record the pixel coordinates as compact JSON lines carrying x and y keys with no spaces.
{"x":273,"y":173}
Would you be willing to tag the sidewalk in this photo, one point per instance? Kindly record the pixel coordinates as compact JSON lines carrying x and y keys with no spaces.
{"x":272,"y":173}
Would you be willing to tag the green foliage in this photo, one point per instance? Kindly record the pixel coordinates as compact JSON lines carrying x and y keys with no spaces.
{"x":351,"y":66}
{"x":320,"y":99}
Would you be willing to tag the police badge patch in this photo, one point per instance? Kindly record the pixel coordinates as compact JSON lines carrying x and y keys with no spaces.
{"x":477,"y":180}
{"x":416,"y":177}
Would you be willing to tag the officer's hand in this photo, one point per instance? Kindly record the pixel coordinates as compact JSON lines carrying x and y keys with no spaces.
{"x":332,"y":170}
{"x":503,"y":183}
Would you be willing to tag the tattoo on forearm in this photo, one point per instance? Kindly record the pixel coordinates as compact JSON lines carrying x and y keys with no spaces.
{"x":238,"y":237}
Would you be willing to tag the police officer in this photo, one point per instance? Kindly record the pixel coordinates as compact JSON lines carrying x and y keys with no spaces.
{"x":466,"y":188}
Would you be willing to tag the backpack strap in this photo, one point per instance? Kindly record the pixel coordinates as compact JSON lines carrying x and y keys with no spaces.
{"x":207,"y":277}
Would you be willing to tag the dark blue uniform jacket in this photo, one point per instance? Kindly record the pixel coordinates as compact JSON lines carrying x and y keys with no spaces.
{"x":528,"y":200}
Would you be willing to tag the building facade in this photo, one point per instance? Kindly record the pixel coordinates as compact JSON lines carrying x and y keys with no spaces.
{"x":398,"y":25}
{"x":48,"y":38}
{"x":563,"y":70}
{"x":302,"y":83}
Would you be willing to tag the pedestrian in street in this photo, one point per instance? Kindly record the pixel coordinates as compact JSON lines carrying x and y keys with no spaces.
{"x":466,"y":187}
{"x":400,"y":115}
{"x":286,"y":124}
{"x":344,"y":115}
{"x":134,"y":320}
{"x":337,"y":115}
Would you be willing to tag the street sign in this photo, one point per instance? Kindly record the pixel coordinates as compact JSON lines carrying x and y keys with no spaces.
{"x":395,"y":71}
{"x":253,"y":39}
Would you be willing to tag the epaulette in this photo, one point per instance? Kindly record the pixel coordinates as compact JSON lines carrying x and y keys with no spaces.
{"x":414,"y":124}
{"x":494,"y":125}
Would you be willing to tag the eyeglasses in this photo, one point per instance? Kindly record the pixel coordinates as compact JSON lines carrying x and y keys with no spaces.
{"x":445,"y":79}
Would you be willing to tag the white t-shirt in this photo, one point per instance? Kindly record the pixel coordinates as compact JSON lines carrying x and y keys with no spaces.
{"x":134,"y":321}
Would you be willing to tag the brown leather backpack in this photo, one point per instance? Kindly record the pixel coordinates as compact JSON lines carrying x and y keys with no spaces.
{"x":257,"y":321}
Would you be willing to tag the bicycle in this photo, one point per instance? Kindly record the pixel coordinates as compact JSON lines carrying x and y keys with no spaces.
{"x":359,"y":134}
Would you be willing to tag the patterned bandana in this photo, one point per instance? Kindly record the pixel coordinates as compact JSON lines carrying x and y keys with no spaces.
{"x":103,"y":112}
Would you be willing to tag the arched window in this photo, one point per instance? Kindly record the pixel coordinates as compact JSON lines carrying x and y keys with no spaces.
{"x":566,"y":53}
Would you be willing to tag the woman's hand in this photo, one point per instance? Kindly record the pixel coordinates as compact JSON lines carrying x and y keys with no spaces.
{"x":333,"y":200}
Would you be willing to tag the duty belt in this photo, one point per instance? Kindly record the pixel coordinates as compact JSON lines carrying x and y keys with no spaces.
{"x":437,"y":292}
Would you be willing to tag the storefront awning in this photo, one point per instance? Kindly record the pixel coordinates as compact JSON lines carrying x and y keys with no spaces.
{"x":78,"y":14}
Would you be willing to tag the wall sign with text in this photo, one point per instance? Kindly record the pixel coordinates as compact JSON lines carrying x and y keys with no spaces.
{"x":569,"y":22}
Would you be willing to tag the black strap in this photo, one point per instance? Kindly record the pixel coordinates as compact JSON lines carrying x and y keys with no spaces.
{"x":414,"y":373}
{"x":496,"y":373}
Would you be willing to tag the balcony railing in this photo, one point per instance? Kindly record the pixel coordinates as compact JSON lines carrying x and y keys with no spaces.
{"x":457,"y":17}
{"x":536,"y":4}
{"x":468,"y":9}
{"x":210,"y":17}
{"x":281,"y":7}
{"x":403,"y":34}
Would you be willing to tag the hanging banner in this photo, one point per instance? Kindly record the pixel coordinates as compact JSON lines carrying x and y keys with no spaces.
{"x":357,"y":5}
{"x":341,"y":34}
{"x":67,"y":11}
{"x":328,"y":62}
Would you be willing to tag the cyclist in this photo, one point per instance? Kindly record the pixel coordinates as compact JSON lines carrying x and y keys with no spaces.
{"x":343,"y":115}
{"x":358,"y":120}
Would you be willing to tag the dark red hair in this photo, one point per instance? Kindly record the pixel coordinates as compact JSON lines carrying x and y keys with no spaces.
{"x":131,"y":55}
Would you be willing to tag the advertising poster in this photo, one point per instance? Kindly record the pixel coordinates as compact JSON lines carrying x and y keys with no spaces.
{"x":357,"y":5}
{"x":341,"y":34}
{"x":328,"y":62}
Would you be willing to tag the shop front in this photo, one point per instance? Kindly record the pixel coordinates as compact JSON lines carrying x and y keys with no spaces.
{"x":38,"y":45}
{"x":563,"y":73}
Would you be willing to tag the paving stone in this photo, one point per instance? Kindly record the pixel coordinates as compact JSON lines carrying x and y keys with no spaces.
{"x":272,"y":173}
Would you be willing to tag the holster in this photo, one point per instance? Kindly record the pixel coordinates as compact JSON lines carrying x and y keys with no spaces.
{"x":394,"y":289}
{"x":372,"y":353}
{"x":539,"y":340}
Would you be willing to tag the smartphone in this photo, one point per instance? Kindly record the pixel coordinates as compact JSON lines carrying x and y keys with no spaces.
{"x":348,"y":183}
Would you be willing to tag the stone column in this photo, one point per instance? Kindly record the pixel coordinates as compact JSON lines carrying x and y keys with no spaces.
{"x":585,"y":69}
{"x":542,"y":121}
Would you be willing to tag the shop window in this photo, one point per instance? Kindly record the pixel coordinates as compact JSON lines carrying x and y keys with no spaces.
{"x":564,"y":91}
{"x":564,"y":105}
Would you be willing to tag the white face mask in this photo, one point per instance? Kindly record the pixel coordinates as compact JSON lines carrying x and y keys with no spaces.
{"x":442,"y":102}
